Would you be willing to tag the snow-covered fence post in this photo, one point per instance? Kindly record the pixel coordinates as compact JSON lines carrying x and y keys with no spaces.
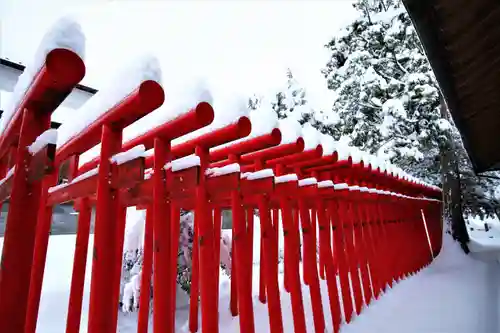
{"x":371,"y":238}
{"x":244,"y":291}
{"x":306,"y":191}
{"x":326,"y":253}
{"x":264,"y":220}
{"x":53,"y":78}
{"x":345,"y":208}
{"x":269,"y":265}
{"x":204,"y":233}
{"x":292,"y":262}
{"x":308,"y":188}
{"x":258,"y":185}
{"x":380,"y":242}
{"x":341,"y":251}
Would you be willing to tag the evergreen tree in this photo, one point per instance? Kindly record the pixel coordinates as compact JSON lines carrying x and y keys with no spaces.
{"x":291,"y":101}
{"x":477,"y":191}
{"x":388,"y":102}
{"x":387,"y":96}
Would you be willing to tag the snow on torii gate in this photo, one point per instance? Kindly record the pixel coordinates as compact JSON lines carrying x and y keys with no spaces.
{"x":368,"y":214}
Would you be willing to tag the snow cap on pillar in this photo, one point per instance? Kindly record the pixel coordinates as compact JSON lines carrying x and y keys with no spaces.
{"x":66,"y":33}
{"x":328,"y":144}
{"x":342,"y":148}
{"x":127,"y":80}
{"x":228,"y":109}
{"x":290,"y":130}
{"x":311,"y":137}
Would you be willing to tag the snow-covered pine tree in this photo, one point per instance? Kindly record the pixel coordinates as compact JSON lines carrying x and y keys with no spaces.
{"x":291,"y":99}
{"x":133,"y":256}
{"x":291,"y":102}
{"x":387,"y":98}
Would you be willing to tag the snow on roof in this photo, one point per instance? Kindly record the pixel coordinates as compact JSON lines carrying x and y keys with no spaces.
{"x":120,"y":86}
{"x":64,"y":33}
{"x":290,"y":130}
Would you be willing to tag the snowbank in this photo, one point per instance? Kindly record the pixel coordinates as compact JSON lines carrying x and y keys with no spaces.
{"x":456,"y":293}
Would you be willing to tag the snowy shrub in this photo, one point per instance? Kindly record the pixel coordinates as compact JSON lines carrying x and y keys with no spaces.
{"x":133,"y":256}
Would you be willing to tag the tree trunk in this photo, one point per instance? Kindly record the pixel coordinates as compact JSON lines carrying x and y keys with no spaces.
{"x":450,"y":175}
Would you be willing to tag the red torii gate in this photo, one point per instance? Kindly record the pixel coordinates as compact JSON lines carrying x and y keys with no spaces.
{"x":358,"y":219}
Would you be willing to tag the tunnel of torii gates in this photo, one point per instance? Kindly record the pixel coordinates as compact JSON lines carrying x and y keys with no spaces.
{"x":364,"y":216}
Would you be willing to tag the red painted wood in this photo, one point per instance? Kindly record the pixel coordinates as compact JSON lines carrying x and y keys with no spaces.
{"x":79,"y":267}
{"x":210,"y":318}
{"x":246,"y":146}
{"x":44,"y":221}
{"x":175,"y":214}
{"x":162,"y":241}
{"x":145,"y":99}
{"x":309,"y":262}
{"x":147,"y":270}
{"x":244,"y":291}
{"x":61,"y":72}
{"x":20,"y":230}
{"x":105,"y":255}
{"x":330,"y":272}
{"x":291,"y":264}
{"x":217,"y":238}
{"x":198,"y":117}
{"x":195,"y":283}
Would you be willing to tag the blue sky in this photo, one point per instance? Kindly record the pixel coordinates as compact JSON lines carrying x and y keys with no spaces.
{"x":242,"y":46}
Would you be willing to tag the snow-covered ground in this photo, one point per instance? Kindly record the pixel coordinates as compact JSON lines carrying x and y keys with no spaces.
{"x":456,"y":293}
{"x":482,"y":241}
